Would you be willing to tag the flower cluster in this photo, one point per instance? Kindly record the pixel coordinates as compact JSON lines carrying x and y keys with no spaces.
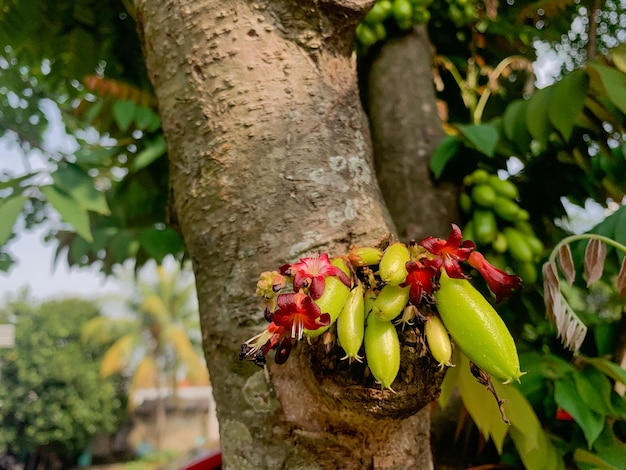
{"x":291,"y":314}
{"x":305,"y":298}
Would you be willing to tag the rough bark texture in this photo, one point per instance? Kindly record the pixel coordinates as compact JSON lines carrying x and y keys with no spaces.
{"x":270,"y":160}
{"x":406,"y":129}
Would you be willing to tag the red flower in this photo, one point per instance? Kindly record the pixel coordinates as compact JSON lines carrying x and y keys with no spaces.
{"x":421,"y":280}
{"x":257,"y":347}
{"x":310,"y":273}
{"x":449,"y":252}
{"x":562,"y":415}
{"x":500,"y":283}
{"x":297,"y":312}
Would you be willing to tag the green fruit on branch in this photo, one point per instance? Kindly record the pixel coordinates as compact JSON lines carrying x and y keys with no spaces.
{"x":392,"y":264}
{"x":365,"y":35}
{"x":351,"y":324}
{"x":499,"y":243}
{"x":519,"y":248}
{"x":465,"y":202}
{"x":382,"y":350}
{"x":438,"y":341}
{"x":403,"y":12}
{"x":504,"y":188}
{"x":485,"y":226}
{"x":527,"y":271}
{"x":364,"y":256}
{"x":334,"y":297}
{"x":483,"y":195}
{"x":378,"y":13}
{"x":506,"y":208}
{"x":477,"y":329}
{"x":390,"y":302}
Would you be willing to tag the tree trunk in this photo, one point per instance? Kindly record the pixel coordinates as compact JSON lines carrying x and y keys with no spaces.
{"x":406,"y":129}
{"x":271,"y":160}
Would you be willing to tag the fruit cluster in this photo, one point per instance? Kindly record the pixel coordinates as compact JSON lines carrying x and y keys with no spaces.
{"x":461,"y":12}
{"x":499,"y":225}
{"x":367,"y":294}
{"x":388,"y":15}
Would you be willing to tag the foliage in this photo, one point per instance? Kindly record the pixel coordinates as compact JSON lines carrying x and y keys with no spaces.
{"x":157,"y":338}
{"x":111,"y":193}
{"x":52,"y":396}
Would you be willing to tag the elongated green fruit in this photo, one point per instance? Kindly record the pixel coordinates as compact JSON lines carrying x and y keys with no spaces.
{"x":438,"y":341}
{"x":390,"y":302}
{"x":477,"y":328}
{"x":518,"y":246}
{"x":392,"y":264}
{"x":351,"y":324}
{"x":382,"y":350}
{"x":334,"y":296}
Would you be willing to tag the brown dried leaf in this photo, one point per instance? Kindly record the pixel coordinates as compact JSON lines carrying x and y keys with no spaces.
{"x":621,"y":279}
{"x":595,"y":254}
{"x":551,"y":289}
{"x":566,"y":263}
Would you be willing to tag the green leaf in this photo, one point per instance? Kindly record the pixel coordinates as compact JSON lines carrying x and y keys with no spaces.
{"x":484,"y":137}
{"x":514,"y":125}
{"x":160,"y":243}
{"x":537,"y":116}
{"x":153,"y":151}
{"x":595,"y":390}
{"x":69,"y":210}
{"x":124,"y":113}
{"x":72,"y":180}
{"x":585,"y":460}
{"x":566,"y":396}
{"x":566,"y":101}
{"x":608,"y":368}
{"x":447,"y":149}
{"x":10,"y":209}
{"x":145,"y":118}
{"x":614,"y":83}
{"x":480,"y":404}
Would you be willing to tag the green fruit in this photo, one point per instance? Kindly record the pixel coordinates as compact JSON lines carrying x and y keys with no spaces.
{"x":380,"y":31}
{"x":392,"y":265}
{"x":483,"y":195}
{"x":504,"y":188}
{"x":438,"y":341}
{"x":506,"y":208}
{"x":499,"y":243}
{"x":485,"y":226}
{"x":477,"y":329}
{"x":468,"y":231}
{"x":382,"y":350}
{"x":535,"y":244}
{"x":351,"y":324}
{"x":518,"y":246}
{"x":527,"y":271}
{"x":479,"y":176}
{"x":465,"y":202}
{"x":364,"y":256}
{"x":377,"y":14}
{"x":365,"y":35}
{"x":402,"y":11}
{"x":390,"y":302}
{"x":421,"y":15}
{"x":334,"y":297}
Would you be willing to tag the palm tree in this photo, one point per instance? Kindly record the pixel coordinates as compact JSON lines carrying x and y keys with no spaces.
{"x":156,"y":340}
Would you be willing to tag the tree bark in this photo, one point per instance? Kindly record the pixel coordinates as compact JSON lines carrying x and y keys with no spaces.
{"x":270,"y":160}
{"x":406,"y":129}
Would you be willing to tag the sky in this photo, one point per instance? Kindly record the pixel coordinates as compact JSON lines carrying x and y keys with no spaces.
{"x":35,"y":268}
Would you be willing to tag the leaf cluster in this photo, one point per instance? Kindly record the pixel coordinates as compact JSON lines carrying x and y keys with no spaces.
{"x":51,"y":393}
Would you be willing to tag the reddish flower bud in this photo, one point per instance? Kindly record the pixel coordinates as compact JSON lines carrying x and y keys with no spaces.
{"x":500,"y":283}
